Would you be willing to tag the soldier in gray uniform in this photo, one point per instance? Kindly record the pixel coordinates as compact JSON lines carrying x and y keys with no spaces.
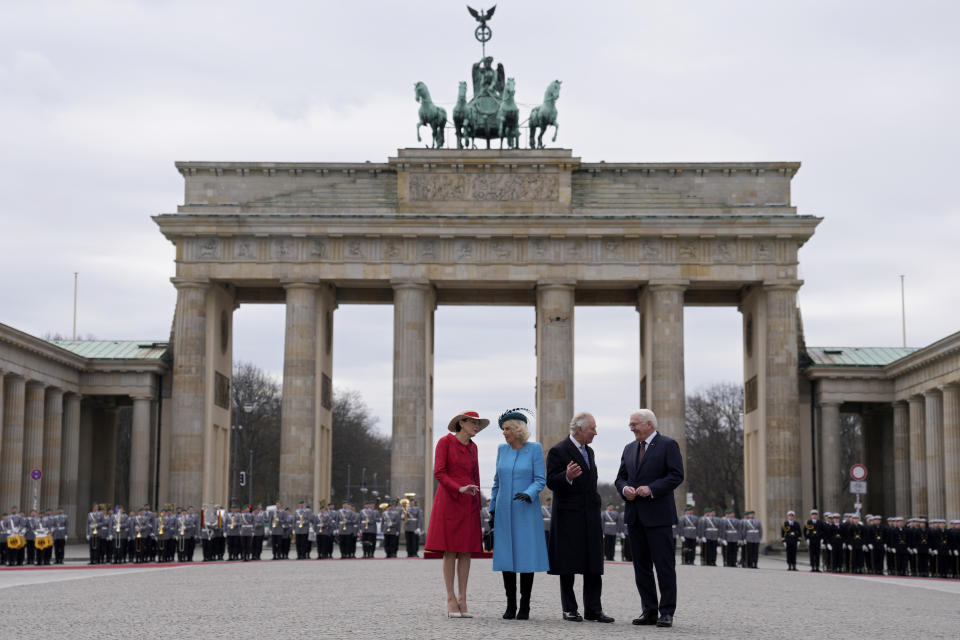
{"x":369,"y":518}
{"x":751,"y":532}
{"x":609,"y":519}
{"x":303,"y":522}
{"x":14,"y":525}
{"x":709,"y":534}
{"x":246,"y":534}
{"x":3,"y":539}
{"x":485,"y":526}
{"x":104,"y":544}
{"x":392,"y":517}
{"x":94,"y":525}
{"x":142,"y":537}
{"x":232,"y":533}
{"x":729,"y":538}
{"x":412,"y":528}
{"x":348,"y":531}
{"x":276,"y":532}
{"x":256,"y":544}
{"x":48,"y":522}
{"x":689,"y":531}
{"x":118,"y":535}
{"x":547,"y":510}
{"x":287,"y":532}
{"x":31,"y":523}
{"x":192,"y":530}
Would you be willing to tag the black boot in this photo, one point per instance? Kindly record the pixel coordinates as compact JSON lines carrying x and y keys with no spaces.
{"x":526,"y":586}
{"x":510,"y":587}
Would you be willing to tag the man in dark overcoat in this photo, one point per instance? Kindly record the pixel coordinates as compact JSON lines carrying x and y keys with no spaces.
{"x":576,"y":533}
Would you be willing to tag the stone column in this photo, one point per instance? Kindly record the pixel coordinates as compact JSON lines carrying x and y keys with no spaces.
{"x":413,"y":303}
{"x":901,"y":457}
{"x":11,"y":454}
{"x":933,"y":419}
{"x":951,"y":449}
{"x":918,"y":458}
{"x":780,"y":397}
{"x":662,"y":306}
{"x":323,"y":394}
{"x":555,"y":335}
{"x":188,"y":425}
{"x":298,"y":409}
{"x":140,"y":452}
{"x":32,"y":442}
{"x":70,"y":458}
{"x":52,"y":439}
{"x":832,"y":473}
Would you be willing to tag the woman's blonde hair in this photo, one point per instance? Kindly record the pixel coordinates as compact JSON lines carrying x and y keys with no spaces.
{"x":519,"y":428}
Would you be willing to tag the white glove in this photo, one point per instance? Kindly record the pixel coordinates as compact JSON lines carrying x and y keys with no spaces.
{"x":870,"y":547}
{"x":933,"y":552}
{"x":417,"y":532}
{"x":743,"y":542}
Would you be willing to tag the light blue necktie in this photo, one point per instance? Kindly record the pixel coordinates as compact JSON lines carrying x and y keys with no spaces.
{"x":586,"y":458}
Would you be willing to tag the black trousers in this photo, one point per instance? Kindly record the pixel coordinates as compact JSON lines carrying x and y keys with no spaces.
{"x":391,"y":543}
{"x":689,"y":550}
{"x":710,"y":549}
{"x":413,"y":544}
{"x":730,"y":554}
{"x":592,"y":586}
{"x":369,"y":543}
{"x":58,"y":547}
{"x":653,"y":547}
{"x":751,"y":553}
{"x":303,"y":546}
{"x":814,"y":553}
{"x":256,"y":547}
{"x":276,"y":543}
{"x":791,"y":554}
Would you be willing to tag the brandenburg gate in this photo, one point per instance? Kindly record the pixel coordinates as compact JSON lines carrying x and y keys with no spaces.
{"x":480,"y":227}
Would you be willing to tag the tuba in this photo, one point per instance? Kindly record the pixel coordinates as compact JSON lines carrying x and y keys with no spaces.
{"x":183,"y":540}
{"x":404,"y":503}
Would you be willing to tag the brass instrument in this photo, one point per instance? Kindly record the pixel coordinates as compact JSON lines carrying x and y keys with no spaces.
{"x":404,"y":503}
{"x":366,"y":519}
{"x":344,"y":518}
{"x":300,"y":524}
{"x":233,"y":521}
{"x":139,"y":544}
{"x":181,"y":543}
{"x":383,"y":506}
{"x":275,"y":519}
{"x":160,"y":528}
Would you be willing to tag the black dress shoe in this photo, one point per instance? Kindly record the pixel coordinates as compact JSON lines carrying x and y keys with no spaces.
{"x":572,"y":616}
{"x":666,"y":620}
{"x":598,"y":617}
{"x":646,"y":618}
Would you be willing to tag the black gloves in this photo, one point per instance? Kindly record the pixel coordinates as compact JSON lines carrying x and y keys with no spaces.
{"x":491,"y":520}
{"x":522,"y":496}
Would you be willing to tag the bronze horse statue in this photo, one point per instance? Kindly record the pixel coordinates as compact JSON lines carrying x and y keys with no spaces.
{"x":460,"y":115}
{"x":545,"y":115}
{"x":508,"y":117}
{"x":431,"y":115}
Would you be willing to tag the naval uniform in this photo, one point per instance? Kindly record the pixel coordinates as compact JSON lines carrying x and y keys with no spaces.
{"x":790,"y":534}
{"x":813,"y":532}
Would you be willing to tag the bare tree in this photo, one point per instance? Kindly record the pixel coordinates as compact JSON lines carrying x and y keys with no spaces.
{"x":360,"y":452}
{"x":714,"y":431}
{"x":256,"y":408}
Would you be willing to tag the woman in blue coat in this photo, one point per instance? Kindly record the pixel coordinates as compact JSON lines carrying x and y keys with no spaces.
{"x":519,"y":545}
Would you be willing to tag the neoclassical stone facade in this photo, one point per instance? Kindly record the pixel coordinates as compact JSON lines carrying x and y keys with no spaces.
{"x":909,"y":403}
{"x":59,"y":403}
{"x":430,"y":227}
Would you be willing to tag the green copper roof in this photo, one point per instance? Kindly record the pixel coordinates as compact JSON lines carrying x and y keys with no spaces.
{"x":856,"y":356}
{"x":114,"y":349}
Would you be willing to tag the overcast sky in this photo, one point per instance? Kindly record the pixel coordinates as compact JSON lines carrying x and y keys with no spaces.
{"x":98,"y":99}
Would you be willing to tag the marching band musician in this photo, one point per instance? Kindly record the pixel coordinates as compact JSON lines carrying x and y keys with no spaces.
{"x":48,"y":522}
{"x":94,"y":524}
{"x":256,"y":547}
{"x":246,"y":533}
{"x":31,"y":524}
{"x":232,"y":533}
{"x":303,"y":522}
{"x":3,"y":539}
{"x":287,"y":532}
{"x":276,"y":532}
{"x":324,"y":527}
{"x":142,"y":531}
{"x":412,"y":528}
{"x":118,"y":535}
{"x":104,"y":545}
{"x":348,"y":531}
{"x":391,"y":529}
{"x":14,"y":525}
{"x":790,"y":535}
{"x":369,"y":517}
{"x":192,"y":526}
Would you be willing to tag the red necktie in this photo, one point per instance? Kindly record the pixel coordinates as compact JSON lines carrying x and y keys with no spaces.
{"x":640,"y":451}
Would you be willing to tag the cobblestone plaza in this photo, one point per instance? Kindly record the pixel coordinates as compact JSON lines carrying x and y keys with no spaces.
{"x":404,"y":599}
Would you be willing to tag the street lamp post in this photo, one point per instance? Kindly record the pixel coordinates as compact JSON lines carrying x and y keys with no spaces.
{"x":235,"y":436}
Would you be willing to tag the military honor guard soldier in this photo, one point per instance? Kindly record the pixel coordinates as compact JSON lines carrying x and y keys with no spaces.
{"x":485,"y":528}
{"x":729,"y":538}
{"x":688,"y":532}
{"x":412,"y":528}
{"x":790,"y":535}
{"x":546,"y":508}
{"x":326,"y":525}
{"x":751,"y":532}
{"x":14,"y":525}
{"x":813,"y":532}
{"x":610,"y":519}
{"x":303,"y":522}
{"x":369,"y":519}
{"x":708,"y":530}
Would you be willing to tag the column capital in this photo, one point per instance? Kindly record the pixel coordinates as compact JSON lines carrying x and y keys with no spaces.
{"x":411,"y":283}
{"x":142,"y":396}
{"x":190,"y":283}
{"x":952,"y":386}
{"x":667,"y":285}
{"x":927,"y":393}
{"x":900,"y":402}
{"x":564,"y":284}
{"x":829,"y":403}
{"x":782,"y":285}
{"x":36,"y":383}
{"x":299,"y":284}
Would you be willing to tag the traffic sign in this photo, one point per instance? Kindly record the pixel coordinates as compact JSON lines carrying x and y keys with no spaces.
{"x":858,"y":472}
{"x":858,"y":486}
{"x":36,"y":474}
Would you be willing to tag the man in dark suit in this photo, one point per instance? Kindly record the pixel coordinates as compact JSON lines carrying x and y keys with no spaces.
{"x":650,"y":469}
{"x":576,"y":534}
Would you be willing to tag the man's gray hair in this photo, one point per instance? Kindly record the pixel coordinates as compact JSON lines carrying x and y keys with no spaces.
{"x":646,"y":415}
{"x":580,"y":421}
{"x":519,"y":428}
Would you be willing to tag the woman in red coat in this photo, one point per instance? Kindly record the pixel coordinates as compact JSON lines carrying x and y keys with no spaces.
{"x":455,"y":519}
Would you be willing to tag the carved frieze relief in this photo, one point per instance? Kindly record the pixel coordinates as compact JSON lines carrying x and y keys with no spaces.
{"x":453,"y":187}
{"x":283,"y":249}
